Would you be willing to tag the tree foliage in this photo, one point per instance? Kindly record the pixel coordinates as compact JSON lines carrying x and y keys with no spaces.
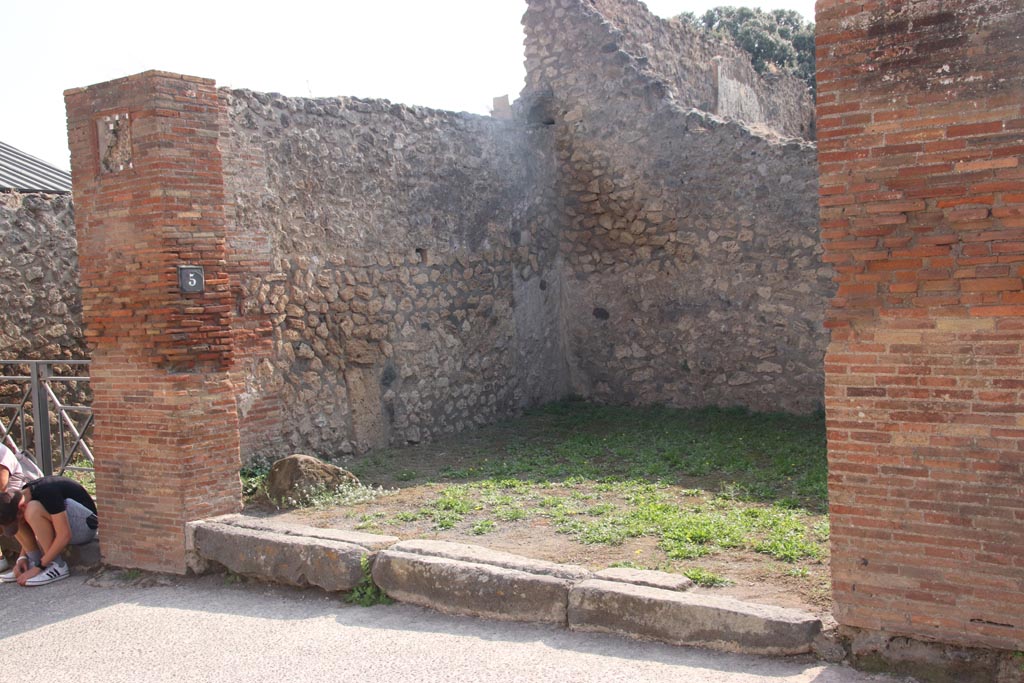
{"x":779,"y":40}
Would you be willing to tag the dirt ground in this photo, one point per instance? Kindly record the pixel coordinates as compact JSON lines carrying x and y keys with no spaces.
{"x":416,"y":476}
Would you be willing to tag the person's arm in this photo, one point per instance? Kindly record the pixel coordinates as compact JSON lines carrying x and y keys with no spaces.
{"x":5,"y":477}
{"x":61,"y":539}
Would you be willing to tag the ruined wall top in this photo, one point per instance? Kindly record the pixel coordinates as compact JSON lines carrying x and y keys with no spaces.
{"x":696,"y":70}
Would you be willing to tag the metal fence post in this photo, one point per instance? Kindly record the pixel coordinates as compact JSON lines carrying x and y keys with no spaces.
{"x":41,"y":417}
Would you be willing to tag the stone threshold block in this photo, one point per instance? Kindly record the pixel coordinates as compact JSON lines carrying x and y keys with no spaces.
{"x":86,"y":555}
{"x":369,"y":541}
{"x":646,"y":577}
{"x":481,"y":555}
{"x":281,"y":558}
{"x":472,"y":589}
{"x":690,"y":619}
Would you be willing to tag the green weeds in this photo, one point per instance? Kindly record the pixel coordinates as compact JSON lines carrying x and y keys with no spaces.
{"x":367,"y":593}
{"x":254,"y":480}
{"x":704,"y":578}
{"x":484,"y":526}
{"x":696,"y":482}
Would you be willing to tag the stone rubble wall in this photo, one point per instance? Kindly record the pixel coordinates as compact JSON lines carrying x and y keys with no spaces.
{"x":692,"y":257}
{"x":406,"y":282}
{"x":702,"y":71}
{"x":398,"y":273}
{"x":41,"y":316}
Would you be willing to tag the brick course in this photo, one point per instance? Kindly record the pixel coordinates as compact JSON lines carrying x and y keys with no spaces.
{"x":149,"y":196}
{"x":921,"y":215}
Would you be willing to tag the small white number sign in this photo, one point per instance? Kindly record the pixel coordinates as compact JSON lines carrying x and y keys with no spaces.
{"x":191,"y":279}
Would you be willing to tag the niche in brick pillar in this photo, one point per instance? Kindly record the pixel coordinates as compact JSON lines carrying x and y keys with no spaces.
{"x":114,"y":135}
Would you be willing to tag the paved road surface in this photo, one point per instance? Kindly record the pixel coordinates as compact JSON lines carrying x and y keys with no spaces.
{"x":205,"y":630}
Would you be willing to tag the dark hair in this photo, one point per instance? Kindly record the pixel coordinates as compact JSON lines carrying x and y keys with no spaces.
{"x":9,"y":507}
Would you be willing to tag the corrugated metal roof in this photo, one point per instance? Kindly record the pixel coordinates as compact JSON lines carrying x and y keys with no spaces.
{"x":19,"y":171}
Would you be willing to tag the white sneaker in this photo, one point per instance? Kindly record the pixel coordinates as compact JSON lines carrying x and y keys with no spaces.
{"x":8,"y":576}
{"x":52,"y":572}
{"x":4,"y":564}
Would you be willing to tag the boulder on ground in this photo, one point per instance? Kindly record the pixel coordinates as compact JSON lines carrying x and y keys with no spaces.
{"x":295,"y":478}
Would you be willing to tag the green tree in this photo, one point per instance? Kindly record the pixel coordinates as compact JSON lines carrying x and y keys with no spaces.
{"x":779,"y":40}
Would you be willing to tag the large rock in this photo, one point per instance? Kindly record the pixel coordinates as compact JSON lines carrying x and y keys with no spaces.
{"x":292,"y":480}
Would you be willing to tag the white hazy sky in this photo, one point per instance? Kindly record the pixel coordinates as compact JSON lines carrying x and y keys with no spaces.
{"x":448,"y":54}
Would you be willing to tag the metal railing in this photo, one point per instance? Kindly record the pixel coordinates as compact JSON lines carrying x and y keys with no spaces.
{"x":47,"y":419}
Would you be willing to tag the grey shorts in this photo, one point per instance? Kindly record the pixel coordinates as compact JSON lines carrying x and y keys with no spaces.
{"x":82,"y":520}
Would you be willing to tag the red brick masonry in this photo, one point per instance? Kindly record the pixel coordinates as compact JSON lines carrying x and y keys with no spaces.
{"x":149,"y":196}
{"x":921,"y":133}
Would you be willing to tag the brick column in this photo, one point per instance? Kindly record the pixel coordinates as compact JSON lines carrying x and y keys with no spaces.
{"x":921,"y":134}
{"x":149,"y":196}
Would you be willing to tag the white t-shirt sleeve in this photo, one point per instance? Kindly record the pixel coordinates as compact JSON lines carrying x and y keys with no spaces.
{"x":9,"y":461}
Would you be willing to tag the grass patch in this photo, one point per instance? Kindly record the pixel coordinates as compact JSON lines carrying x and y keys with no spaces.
{"x":699,"y":481}
{"x":510,"y":514}
{"x":370,"y":520}
{"x":671,"y":485}
{"x":484,"y":526}
{"x":87,"y":477}
{"x":768,"y":456}
{"x":704,"y":578}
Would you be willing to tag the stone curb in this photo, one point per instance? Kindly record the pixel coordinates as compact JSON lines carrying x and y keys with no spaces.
{"x":472,"y":589}
{"x":457,"y":578}
{"x":282,"y":558}
{"x":480,"y":555}
{"x":368,"y":541}
{"x":85,"y":555}
{"x":690,"y":619}
{"x":646,"y":577}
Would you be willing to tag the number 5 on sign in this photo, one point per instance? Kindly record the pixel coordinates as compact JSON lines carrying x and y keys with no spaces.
{"x":191,"y":279}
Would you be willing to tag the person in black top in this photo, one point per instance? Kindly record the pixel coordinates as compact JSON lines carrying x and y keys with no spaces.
{"x":52,"y":513}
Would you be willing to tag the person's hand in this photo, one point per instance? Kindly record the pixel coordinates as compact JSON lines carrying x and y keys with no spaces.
{"x":20,"y":566}
{"x":28,"y":574}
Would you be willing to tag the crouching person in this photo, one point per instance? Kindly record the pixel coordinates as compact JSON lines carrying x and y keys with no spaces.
{"x":52,"y":513}
{"x":12,"y":478}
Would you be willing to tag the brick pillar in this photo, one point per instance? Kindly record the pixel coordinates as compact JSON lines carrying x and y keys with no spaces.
{"x":149,"y":196}
{"x":921,"y":134}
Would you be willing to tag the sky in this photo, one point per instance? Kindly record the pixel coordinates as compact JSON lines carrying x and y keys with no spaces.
{"x":446,"y":54}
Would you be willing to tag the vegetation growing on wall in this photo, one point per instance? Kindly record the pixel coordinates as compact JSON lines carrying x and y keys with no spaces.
{"x":779,"y":40}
